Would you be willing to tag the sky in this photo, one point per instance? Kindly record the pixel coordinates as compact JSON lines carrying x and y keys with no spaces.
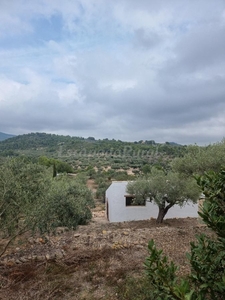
{"x":123,"y":69}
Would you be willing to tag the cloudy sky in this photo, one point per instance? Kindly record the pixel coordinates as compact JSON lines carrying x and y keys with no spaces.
{"x":122,"y":69}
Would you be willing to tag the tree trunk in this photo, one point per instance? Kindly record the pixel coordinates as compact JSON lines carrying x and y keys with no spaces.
{"x":161,"y":215}
{"x":162,"y":212}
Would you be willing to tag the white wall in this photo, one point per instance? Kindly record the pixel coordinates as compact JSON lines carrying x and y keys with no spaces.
{"x":119,"y":212}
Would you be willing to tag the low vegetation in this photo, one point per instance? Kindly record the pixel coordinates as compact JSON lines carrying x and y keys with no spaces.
{"x":207,"y":257}
{"x":31,"y":199}
{"x":37,"y":197}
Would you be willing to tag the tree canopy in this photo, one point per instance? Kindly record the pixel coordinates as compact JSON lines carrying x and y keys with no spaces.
{"x":164,"y":189}
{"x":30,"y":199}
{"x":198,"y":159}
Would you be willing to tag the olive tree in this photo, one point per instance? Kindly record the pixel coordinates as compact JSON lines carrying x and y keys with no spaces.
{"x":22,"y":187}
{"x":30,"y":199}
{"x":199,"y":159}
{"x":68,"y":204}
{"x":164,"y":189}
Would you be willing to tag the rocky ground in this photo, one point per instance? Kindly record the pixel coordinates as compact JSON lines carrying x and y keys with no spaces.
{"x":91,"y":262}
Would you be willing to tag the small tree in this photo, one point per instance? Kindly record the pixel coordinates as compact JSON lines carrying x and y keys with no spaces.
{"x":165,"y":190}
{"x":58,"y":165}
{"x":67,"y":204}
{"x":22,"y":186}
{"x":30,"y":199}
{"x":207,"y":257}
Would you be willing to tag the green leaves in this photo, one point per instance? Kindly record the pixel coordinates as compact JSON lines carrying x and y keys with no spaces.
{"x":207,"y":257}
{"x":162,"y":275}
{"x":58,"y":165}
{"x":67,"y":204}
{"x":31,"y":199}
{"x":213,"y":210}
{"x":22,"y":184}
{"x":207,"y":260}
{"x":165,"y":189}
{"x":198,"y":159}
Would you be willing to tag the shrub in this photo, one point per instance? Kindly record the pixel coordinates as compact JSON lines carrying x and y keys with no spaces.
{"x":68,"y":204}
{"x":30,"y":199}
{"x":207,"y":257}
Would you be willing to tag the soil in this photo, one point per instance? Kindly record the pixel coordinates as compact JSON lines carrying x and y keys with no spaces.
{"x":90,"y":262}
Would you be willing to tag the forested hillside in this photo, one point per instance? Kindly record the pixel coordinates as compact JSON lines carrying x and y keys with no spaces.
{"x":52,"y":143}
{"x":81,"y":152}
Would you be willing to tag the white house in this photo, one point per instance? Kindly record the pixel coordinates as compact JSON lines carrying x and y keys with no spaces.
{"x":119,"y":206}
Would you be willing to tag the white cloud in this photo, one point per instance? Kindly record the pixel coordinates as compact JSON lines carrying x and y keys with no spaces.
{"x":125,"y":69}
{"x":69,"y":94}
{"x":118,"y":86}
{"x":65,"y":66}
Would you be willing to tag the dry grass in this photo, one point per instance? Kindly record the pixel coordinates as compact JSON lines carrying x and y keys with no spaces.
{"x":105,"y":261}
{"x":94,"y":274}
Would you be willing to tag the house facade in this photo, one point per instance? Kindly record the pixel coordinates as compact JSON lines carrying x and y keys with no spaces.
{"x":119,"y":206}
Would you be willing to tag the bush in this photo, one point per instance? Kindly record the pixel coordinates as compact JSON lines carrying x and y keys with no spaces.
{"x":68,"y":204}
{"x":30,"y":199}
{"x":207,"y":257}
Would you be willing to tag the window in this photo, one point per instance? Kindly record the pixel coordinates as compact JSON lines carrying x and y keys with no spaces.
{"x":130,"y":201}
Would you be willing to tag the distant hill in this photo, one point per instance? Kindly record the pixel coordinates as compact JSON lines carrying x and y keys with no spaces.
{"x":54,"y":145}
{"x":5,"y":136}
{"x":34,"y":141}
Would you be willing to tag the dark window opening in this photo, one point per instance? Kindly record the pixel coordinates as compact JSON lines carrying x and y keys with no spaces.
{"x":130,"y":201}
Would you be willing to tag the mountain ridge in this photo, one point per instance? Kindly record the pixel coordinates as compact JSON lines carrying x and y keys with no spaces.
{"x":5,"y":136}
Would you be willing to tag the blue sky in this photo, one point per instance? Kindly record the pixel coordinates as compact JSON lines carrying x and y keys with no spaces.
{"x":122,"y":69}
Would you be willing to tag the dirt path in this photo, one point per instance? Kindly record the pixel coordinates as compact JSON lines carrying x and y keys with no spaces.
{"x":92,"y":185}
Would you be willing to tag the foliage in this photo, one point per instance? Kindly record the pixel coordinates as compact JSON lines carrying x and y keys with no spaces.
{"x":207,"y":257}
{"x":198,"y":159}
{"x":68,"y":204}
{"x":82,"y":178}
{"x":80,"y":152}
{"x":164,"y":189}
{"x":90,"y":171}
{"x":22,"y":185}
{"x":146,"y":169}
{"x":58,"y":165}
{"x":30,"y":199}
{"x":213,"y":210}
{"x":112,"y":147}
{"x":162,"y":276}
